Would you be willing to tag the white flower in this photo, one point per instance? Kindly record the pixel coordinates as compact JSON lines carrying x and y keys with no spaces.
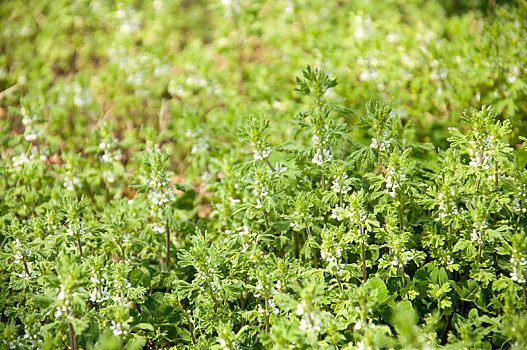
{"x":280,"y":168}
{"x":340,"y":185}
{"x":449,"y":260}
{"x":274,"y":308}
{"x":223,"y":344}
{"x":118,"y":328}
{"x":310,"y":323}
{"x":300,"y":308}
{"x":473,"y":235}
{"x":262,"y":154}
{"x":158,"y":228}
{"x":20,"y":160}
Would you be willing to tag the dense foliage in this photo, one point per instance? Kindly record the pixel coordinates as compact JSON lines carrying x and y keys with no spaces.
{"x":168,"y":183}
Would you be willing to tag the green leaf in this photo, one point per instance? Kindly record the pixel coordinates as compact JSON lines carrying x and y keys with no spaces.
{"x":378,"y":287}
{"x":144,"y":327}
{"x":183,"y":187}
{"x":140,"y":277}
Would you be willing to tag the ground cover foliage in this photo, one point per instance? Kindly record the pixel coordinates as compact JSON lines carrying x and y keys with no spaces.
{"x":263,"y":175}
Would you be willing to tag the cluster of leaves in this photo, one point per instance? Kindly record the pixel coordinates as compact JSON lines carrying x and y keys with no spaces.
{"x":317,"y":224}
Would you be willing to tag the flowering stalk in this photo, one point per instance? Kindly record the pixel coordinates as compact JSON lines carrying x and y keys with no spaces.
{"x":73,"y":208}
{"x":400,"y":212}
{"x":379,"y":118}
{"x":266,"y":315}
{"x":315,"y":252}
{"x":360,"y":222}
{"x":190,"y":324}
{"x":167,"y":242}
{"x":403,"y":278}
{"x":20,"y":256}
{"x":160,"y":196}
{"x":262,"y":189}
{"x":212,"y":293}
{"x":363,"y":254}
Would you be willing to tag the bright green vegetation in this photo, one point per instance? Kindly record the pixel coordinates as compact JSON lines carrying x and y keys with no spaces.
{"x":263,"y":175}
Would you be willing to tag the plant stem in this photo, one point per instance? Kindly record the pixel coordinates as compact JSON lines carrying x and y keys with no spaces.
{"x":339,"y":282}
{"x":295,"y":242}
{"x":400,"y":210}
{"x":25,"y":267}
{"x":79,"y":246}
{"x":403,"y":278}
{"x":121,"y":342}
{"x":323,"y":181}
{"x":524,"y":294}
{"x":73,"y":340}
{"x":315,"y":257}
{"x":212,"y":295}
{"x":497,"y":175}
{"x":340,"y":199}
{"x":265,"y":220}
{"x":167,"y":258}
{"x":449,"y":235}
{"x":444,"y":332}
{"x":363,"y":254}
{"x":517,"y":223}
{"x":379,"y":159}
{"x":190,"y":325}
{"x":121,"y":249}
{"x":266,"y":316}
{"x":270,"y":166}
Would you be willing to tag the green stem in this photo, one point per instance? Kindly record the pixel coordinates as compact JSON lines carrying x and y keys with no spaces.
{"x":379,"y":158}
{"x":496,"y":175}
{"x":400,"y":210}
{"x":363,"y":254}
{"x":295,"y":242}
{"x":315,"y":253}
{"x":517,"y":223}
{"x":449,"y":235}
{"x":339,"y":282}
{"x":212,"y":295}
{"x":266,"y":315}
{"x":79,"y":246}
{"x":167,"y":258}
{"x":190,"y":324}
{"x":265,"y":219}
{"x":121,"y":249}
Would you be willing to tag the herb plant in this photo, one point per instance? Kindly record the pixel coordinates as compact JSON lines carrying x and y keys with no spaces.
{"x":187,"y":193}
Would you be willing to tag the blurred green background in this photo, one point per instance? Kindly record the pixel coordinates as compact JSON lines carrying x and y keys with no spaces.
{"x":188,"y":73}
